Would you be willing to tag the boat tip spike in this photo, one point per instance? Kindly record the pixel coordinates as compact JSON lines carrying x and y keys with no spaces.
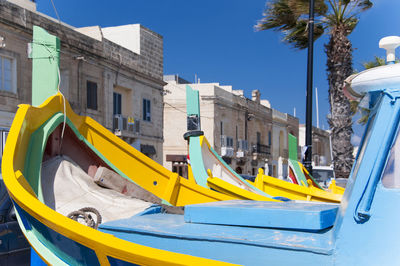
{"x":260,"y":171}
{"x":390,"y":43}
{"x":209,"y":173}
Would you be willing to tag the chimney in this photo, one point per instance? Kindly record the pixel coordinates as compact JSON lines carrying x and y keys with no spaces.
{"x":255,"y":96}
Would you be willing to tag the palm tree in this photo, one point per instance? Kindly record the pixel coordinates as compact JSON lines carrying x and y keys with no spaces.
{"x":337,"y":18}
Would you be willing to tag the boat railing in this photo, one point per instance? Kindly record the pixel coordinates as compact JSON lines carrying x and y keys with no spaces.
{"x":261,"y":149}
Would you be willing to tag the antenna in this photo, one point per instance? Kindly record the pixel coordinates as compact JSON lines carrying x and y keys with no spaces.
{"x":316,"y":102}
{"x":390,"y":43}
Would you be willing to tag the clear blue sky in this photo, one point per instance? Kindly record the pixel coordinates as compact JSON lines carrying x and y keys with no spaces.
{"x":215,"y":39}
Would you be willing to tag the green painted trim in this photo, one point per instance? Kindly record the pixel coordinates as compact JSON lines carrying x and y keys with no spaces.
{"x":292,"y":147}
{"x":312,"y":178}
{"x":293,"y":158}
{"x":200,"y":171}
{"x":37,"y":144}
{"x":39,"y":246}
{"x":45,"y":65}
{"x":298,"y":172}
{"x":196,"y":162}
{"x":192,"y":101}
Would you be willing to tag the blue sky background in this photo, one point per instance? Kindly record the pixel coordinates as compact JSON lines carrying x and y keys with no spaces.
{"x":215,"y":40}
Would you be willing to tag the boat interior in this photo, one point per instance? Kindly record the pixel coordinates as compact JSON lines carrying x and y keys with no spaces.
{"x":73,"y":177}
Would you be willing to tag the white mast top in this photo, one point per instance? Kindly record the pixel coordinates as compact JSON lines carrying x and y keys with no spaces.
{"x":390,"y":43}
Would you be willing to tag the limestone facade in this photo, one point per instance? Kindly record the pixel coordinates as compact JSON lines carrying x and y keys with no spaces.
{"x":123,"y":78}
{"x":241,"y":130}
{"x":282,"y":125}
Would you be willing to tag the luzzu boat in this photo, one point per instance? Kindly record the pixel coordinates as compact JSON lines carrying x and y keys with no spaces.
{"x":362,"y":230}
{"x":309,"y":189}
{"x":58,"y":164}
{"x":208,"y":169}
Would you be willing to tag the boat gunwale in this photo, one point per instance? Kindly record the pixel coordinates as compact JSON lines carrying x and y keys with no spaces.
{"x":99,"y":242}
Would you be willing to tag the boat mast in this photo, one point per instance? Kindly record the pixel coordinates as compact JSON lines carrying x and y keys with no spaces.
{"x":308,"y":155}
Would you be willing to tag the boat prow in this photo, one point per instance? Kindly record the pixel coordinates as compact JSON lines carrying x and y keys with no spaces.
{"x":43,"y":140}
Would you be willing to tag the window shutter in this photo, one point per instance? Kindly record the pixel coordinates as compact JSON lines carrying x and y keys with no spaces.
{"x":144,"y":109}
{"x":148,"y":114}
{"x":91,"y":90}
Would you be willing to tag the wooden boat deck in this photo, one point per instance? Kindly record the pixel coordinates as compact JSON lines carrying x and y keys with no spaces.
{"x":171,"y":232}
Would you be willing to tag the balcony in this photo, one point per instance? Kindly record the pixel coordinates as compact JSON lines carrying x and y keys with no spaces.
{"x":261,"y":149}
{"x":126,"y":126}
{"x":227,"y":146}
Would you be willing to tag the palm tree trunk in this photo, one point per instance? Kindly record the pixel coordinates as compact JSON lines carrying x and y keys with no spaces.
{"x":339,"y":67}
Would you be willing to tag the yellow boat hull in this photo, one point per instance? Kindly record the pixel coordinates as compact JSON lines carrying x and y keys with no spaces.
{"x":59,"y":240}
{"x":276,"y":187}
{"x":223,"y":179}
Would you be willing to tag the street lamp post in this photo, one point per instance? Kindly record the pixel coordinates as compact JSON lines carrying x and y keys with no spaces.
{"x":308,"y":154}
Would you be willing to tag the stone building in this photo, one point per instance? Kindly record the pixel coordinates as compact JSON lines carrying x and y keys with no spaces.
{"x":321,"y":149}
{"x":238,"y":128}
{"x":117,"y":81}
{"x":282,"y":125}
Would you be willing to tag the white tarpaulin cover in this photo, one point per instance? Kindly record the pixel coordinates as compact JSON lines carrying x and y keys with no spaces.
{"x":66,"y":188}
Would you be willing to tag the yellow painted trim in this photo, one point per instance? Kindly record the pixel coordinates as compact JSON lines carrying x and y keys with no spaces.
{"x":171,"y":190}
{"x":21,"y":179}
{"x":234,"y":191}
{"x":276,"y":187}
{"x":27,"y":120}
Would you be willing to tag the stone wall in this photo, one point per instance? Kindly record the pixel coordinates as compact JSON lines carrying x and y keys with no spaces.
{"x":83,"y":59}
{"x":222,"y":104}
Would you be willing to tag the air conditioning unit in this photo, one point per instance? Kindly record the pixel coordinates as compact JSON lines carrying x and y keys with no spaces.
{"x":227,"y":152}
{"x":240,"y":154}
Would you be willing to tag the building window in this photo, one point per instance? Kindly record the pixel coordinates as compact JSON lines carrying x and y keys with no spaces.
{"x":269,"y":138}
{"x":91,"y":90}
{"x":236,"y":136}
{"x":117,"y":103}
{"x":146,"y":110}
{"x":258,"y":138}
{"x":7,"y":74}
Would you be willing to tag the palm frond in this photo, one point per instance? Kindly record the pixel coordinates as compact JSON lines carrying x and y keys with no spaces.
{"x":378,"y":61}
{"x":277,"y":16}
{"x":364,"y":5}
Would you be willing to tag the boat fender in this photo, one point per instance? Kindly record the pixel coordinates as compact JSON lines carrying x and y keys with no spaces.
{"x":86,"y":214}
{"x":193,"y":133}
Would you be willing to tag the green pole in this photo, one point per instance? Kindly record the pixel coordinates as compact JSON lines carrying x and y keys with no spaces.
{"x":45,"y":54}
{"x":292,"y":147}
{"x":192,"y":109}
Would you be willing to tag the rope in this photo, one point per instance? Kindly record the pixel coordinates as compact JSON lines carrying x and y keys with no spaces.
{"x":65,"y":111}
{"x":58,"y":89}
{"x":86,"y":214}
